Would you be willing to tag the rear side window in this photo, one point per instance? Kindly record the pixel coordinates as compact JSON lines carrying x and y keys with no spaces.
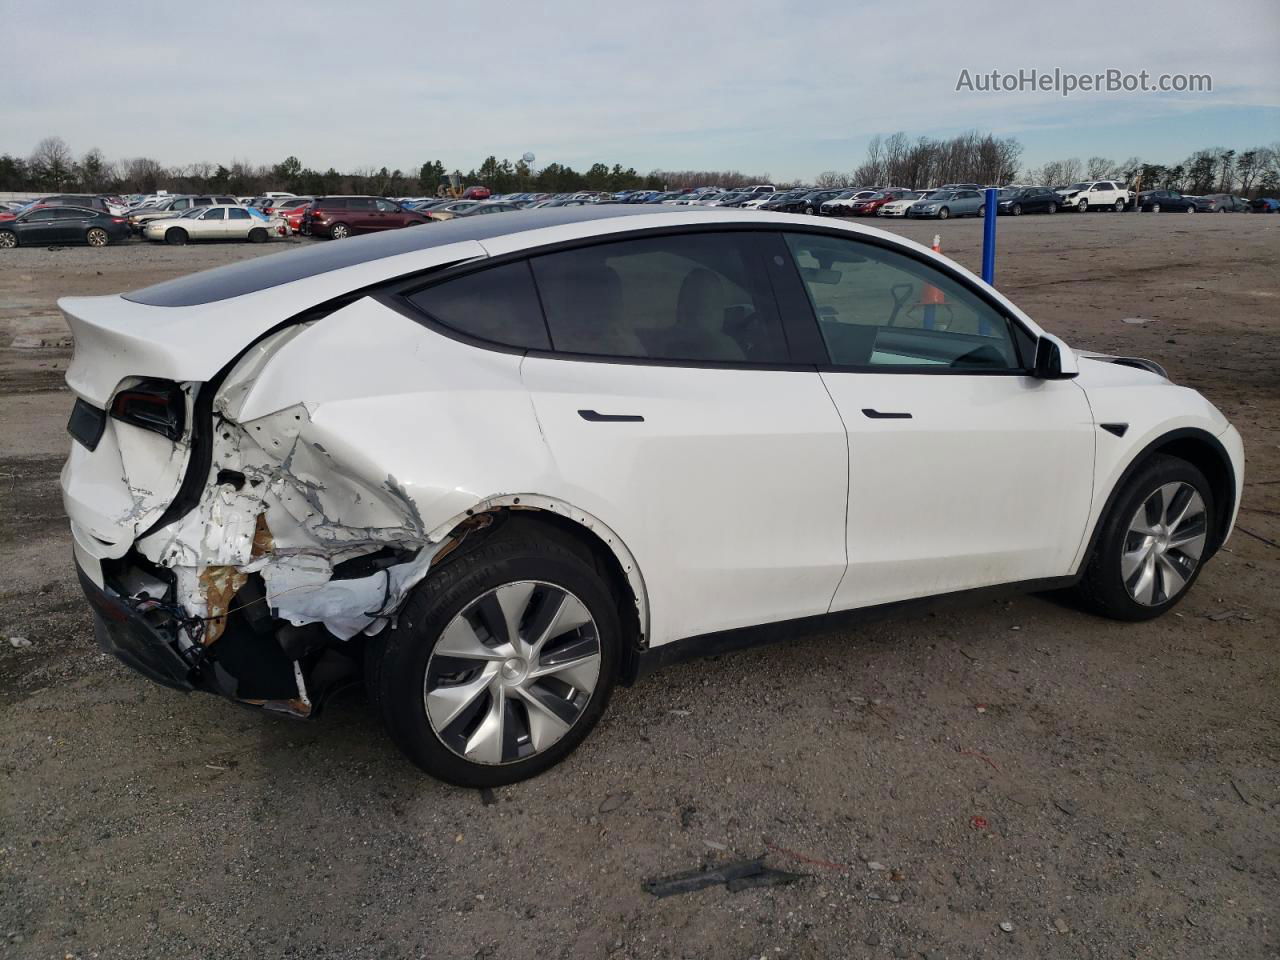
{"x":235,"y":213}
{"x":499,"y":304}
{"x":360,"y":203}
{"x":693,"y":297}
{"x":332,"y":204}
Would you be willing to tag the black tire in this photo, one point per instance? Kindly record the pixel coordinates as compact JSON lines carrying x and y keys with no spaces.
{"x":8,"y":239}
{"x":97,"y":237}
{"x":1155,"y":208}
{"x":258,"y":235}
{"x":982,"y":210}
{"x":397,"y":661}
{"x":1083,"y":206}
{"x":1119,"y":206}
{"x":1017,"y":210}
{"x":1102,"y":589}
{"x":175,"y":236}
{"x":339,"y":231}
{"x":1191,"y":209}
{"x":1053,"y":207}
{"x":944,"y":213}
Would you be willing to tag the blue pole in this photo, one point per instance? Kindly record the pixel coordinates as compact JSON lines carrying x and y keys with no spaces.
{"x":989,"y":238}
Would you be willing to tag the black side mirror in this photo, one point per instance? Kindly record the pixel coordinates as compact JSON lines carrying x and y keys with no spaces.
{"x":1048,"y":362}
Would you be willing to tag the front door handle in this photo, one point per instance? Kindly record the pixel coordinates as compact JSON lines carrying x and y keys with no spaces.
{"x":592,"y":417}
{"x":886,"y":415}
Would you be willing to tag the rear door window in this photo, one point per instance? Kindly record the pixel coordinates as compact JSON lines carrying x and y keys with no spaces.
{"x":687,"y":297}
{"x":235,"y":213}
{"x":333,"y":204}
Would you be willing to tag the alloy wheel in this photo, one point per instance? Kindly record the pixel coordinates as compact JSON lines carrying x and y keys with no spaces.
{"x":8,"y":240}
{"x":512,"y":672}
{"x":1163,"y":544}
{"x":96,"y":237}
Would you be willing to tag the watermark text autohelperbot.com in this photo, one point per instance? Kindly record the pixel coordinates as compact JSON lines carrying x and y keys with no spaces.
{"x":1066,"y":83}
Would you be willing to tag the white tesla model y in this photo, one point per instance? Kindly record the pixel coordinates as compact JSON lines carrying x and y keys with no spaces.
{"x":499,"y":465}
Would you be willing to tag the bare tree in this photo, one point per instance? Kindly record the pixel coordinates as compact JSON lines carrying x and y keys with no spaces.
{"x":1099,"y":167}
{"x":51,"y":163}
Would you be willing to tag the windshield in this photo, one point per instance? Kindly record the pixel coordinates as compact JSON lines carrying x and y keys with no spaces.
{"x":1078,"y":186}
{"x":193,"y":213}
{"x":940,"y":195}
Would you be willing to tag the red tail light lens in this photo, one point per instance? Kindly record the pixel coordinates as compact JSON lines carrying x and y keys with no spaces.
{"x":119,"y":220}
{"x":156,"y":405}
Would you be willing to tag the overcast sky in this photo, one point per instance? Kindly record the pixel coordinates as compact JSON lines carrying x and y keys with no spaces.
{"x":788,"y":89}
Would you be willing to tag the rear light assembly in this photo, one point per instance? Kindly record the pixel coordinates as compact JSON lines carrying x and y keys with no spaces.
{"x":156,"y":405}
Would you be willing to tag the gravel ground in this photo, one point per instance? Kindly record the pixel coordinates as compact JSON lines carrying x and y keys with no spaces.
{"x":998,"y":779}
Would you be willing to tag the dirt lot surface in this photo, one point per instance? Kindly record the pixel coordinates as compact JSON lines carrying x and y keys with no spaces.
{"x":1005,"y":779}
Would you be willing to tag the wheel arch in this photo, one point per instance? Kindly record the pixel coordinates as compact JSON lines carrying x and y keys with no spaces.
{"x":1202,"y":450}
{"x":587,"y":531}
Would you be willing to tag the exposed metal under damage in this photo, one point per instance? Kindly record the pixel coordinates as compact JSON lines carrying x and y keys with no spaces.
{"x":284,"y":527}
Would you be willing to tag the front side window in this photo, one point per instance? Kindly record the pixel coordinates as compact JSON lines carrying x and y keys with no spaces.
{"x":498,"y":304}
{"x":215,"y":213}
{"x":386,"y":206}
{"x":878,"y":309}
{"x":360,"y":203}
{"x":691,"y":297}
{"x":46,"y":214}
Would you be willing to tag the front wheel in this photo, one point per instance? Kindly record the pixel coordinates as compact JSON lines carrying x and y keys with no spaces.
{"x":982,"y":210}
{"x":944,"y":213}
{"x":1053,"y":208}
{"x":1155,"y":208}
{"x":1152,"y":543}
{"x":1017,"y":210}
{"x":1083,"y":206}
{"x":502,"y":661}
{"x":175,"y":236}
{"x":1191,"y":209}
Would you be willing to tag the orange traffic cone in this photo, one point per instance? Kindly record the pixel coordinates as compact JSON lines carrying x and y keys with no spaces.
{"x":931,"y":296}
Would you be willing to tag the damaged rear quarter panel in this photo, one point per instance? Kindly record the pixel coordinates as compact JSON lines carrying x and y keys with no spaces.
{"x":345,"y":435}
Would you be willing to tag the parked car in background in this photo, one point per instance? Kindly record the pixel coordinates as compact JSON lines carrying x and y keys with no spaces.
{"x":1165,"y":201}
{"x":758,"y":188}
{"x":810,"y":202}
{"x":340,"y":217}
{"x":220,"y":222}
{"x":900,"y":206}
{"x":944,"y":204}
{"x":45,"y":224}
{"x":1019,"y":200}
{"x":1095,"y":195}
{"x":280,"y":206}
{"x":173,"y":207}
{"x":476,"y":193}
{"x":1203,"y":204}
{"x":449,"y":209}
{"x":1264,"y":205}
{"x":758,"y":200}
{"x":842,"y":203}
{"x":496,"y":513}
{"x":784,"y":199}
{"x":81,"y":200}
{"x":489,"y":206}
{"x":870,"y":206}
{"x":1229,"y":203}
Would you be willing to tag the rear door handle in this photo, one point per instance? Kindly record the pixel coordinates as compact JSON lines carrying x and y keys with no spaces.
{"x":887,"y":415}
{"x":592,"y":417}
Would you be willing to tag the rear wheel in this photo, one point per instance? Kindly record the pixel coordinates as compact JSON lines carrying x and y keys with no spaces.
{"x":1152,"y":542}
{"x":175,"y":236}
{"x":339,"y":231}
{"x":8,"y":239}
{"x":97,"y":237}
{"x":1119,"y":206}
{"x":502,"y":661}
{"x":258,"y":235}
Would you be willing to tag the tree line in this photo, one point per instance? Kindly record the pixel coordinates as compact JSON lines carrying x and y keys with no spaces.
{"x":52,"y":167}
{"x":897,"y":159}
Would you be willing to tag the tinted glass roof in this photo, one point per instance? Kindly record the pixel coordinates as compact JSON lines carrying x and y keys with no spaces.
{"x":249,"y":276}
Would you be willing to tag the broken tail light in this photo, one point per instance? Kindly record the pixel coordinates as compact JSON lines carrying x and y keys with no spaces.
{"x":156,"y":405}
